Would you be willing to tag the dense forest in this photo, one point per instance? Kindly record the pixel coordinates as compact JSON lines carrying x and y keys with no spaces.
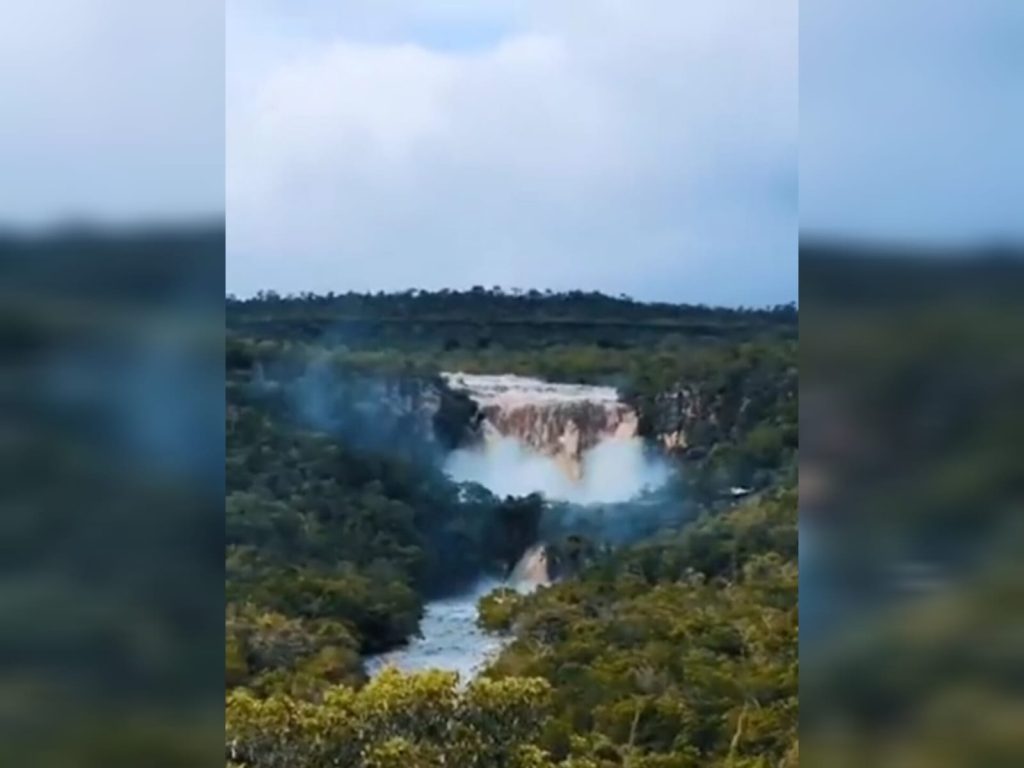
{"x":667,"y":642}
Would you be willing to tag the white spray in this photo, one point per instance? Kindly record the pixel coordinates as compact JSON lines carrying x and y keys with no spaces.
{"x":569,"y":442}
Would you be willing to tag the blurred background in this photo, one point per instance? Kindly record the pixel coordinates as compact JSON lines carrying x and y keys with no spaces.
{"x":111,"y":326}
{"x":911,"y":481}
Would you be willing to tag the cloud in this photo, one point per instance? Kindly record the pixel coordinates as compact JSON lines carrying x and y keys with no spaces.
{"x":583,"y":145}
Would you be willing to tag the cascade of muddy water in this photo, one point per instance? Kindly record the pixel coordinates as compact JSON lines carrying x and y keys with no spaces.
{"x":558,"y":421}
{"x":569,"y":442}
{"x":532,"y":569}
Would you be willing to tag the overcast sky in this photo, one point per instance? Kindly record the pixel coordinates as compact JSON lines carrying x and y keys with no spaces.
{"x":386,"y":144}
{"x":595,"y":144}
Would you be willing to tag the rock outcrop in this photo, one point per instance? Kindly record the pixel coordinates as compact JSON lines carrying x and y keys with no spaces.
{"x":675,"y":418}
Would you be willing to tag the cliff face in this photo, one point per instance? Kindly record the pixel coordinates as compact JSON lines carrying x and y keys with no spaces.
{"x":416,"y":409}
{"x":393,"y":414}
{"x":388,"y":413}
{"x":672,"y":418}
{"x":562,"y":421}
{"x":423,"y":416}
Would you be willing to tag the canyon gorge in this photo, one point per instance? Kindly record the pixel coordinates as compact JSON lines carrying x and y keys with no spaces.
{"x":569,"y":442}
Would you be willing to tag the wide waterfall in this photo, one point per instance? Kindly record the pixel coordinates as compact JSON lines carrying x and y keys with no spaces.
{"x":570,"y":442}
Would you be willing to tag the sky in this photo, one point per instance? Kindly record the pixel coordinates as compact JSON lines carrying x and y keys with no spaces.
{"x":594,"y":145}
{"x":113,"y":111}
{"x":376,"y":144}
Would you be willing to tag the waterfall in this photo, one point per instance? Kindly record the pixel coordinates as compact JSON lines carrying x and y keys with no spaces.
{"x":532,"y":570}
{"x":571,"y":442}
{"x":561,"y":421}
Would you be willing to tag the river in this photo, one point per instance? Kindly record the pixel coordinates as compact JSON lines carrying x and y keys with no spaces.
{"x":449,"y":638}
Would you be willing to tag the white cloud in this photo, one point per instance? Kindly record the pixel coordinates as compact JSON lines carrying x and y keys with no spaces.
{"x":593,"y":146}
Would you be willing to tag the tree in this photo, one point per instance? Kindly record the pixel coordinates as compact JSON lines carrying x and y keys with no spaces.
{"x":396,"y":720}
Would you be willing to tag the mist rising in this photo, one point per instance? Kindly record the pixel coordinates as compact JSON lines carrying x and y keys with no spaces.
{"x":615,"y":470}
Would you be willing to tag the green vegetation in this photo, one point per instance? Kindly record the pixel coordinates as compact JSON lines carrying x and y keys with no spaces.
{"x":319,"y":533}
{"x":667,"y":642}
{"x":683,"y":646}
{"x":679,"y":652}
{"x":396,"y":721}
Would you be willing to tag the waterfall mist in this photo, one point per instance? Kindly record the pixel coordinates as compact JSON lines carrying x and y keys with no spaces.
{"x":615,"y":470}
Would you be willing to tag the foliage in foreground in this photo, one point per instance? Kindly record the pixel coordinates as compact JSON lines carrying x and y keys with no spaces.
{"x":683,"y":649}
{"x":400,"y":721}
{"x":651,"y":658}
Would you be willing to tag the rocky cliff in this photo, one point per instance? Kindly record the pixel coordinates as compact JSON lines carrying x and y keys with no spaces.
{"x":415,"y":417}
{"x":420,"y":416}
{"x":677,"y":418}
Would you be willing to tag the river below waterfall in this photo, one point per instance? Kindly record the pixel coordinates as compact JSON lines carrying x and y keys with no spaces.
{"x":449,"y":638}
